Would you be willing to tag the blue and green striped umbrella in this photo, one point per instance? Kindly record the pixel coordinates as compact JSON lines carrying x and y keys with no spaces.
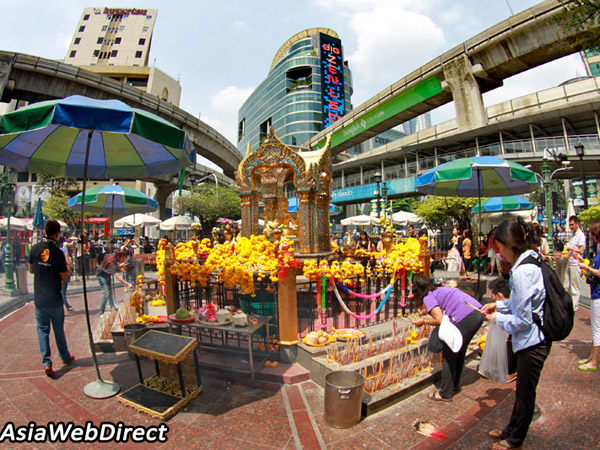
{"x":52,"y":137}
{"x":86,"y":138}
{"x":114,"y":199}
{"x":498,"y":204}
{"x":478,"y":176}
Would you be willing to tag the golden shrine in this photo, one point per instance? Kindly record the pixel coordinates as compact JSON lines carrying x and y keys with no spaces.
{"x":263,"y":173}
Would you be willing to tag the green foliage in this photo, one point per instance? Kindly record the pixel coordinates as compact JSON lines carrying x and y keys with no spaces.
{"x":437,"y":211}
{"x":210,"y":202}
{"x":579,"y":15}
{"x":57,"y":208}
{"x":54,"y":184}
{"x":590,"y":215}
{"x":404,"y":204}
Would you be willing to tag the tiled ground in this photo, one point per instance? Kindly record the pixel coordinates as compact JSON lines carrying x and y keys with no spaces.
{"x":234,"y":412}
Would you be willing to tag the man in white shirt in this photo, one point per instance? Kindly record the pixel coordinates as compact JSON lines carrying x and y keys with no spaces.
{"x":573,"y":274}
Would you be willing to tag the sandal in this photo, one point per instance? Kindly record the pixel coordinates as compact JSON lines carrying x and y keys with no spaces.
{"x":583,"y":361}
{"x":437,"y":397}
{"x":587,"y":367}
{"x":502,"y":445}
{"x":495,"y":434}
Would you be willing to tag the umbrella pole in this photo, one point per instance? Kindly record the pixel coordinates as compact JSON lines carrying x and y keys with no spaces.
{"x":98,"y":388}
{"x":479,"y":234}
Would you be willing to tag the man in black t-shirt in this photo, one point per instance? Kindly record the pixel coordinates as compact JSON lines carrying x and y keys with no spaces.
{"x":48,"y":264}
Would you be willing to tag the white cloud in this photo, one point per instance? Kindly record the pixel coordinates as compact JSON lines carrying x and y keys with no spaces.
{"x":392,"y":41}
{"x":230,"y":98}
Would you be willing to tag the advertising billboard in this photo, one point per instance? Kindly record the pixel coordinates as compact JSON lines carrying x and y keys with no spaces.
{"x":332,"y":79}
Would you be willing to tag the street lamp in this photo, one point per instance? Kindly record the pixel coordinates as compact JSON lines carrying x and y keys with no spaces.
{"x":377,"y":178}
{"x":547,"y":179}
{"x":9,"y":280}
{"x":579,"y":149}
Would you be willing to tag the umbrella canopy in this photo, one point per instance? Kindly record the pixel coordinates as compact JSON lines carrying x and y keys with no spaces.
{"x":404,"y":218}
{"x":136,"y":221}
{"x":38,"y":218}
{"x":51,"y":137}
{"x":363,"y":220}
{"x":176,"y":223}
{"x":16,"y":224}
{"x":109,"y":200}
{"x":478,"y":176}
{"x":508,"y":203}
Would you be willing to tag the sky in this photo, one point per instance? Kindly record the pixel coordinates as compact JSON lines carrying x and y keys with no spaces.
{"x":220,"y":51}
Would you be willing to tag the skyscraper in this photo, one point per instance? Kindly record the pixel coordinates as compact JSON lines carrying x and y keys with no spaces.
{"x":112,"y":36}
{"x":115,"y":42}
{"x":308,"y":87}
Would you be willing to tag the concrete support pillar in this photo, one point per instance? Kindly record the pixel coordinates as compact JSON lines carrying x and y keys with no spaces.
{"x":470,"y":111}
{"x":532,"y":135}
{"x":163,"y":191}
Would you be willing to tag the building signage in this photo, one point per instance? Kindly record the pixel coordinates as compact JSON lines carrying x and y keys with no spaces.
{"x":332,"y":79}
{"x":425,"y":89}
{"x":125,"y":11}
{"x":365,"y":192}
{"x":592,"y":189}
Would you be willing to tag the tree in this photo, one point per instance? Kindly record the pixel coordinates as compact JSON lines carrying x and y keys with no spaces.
{"x":57,"y":208}
{"x":404,"y":204}
{"x":439,"y":210}
{"x":590,"y":215}
{"x":209,"y":202}
{"x":54,"y":184}
{"x":579,"y":15}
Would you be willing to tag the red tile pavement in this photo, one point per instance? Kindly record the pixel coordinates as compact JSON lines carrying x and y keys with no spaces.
{"x":234,"y":412}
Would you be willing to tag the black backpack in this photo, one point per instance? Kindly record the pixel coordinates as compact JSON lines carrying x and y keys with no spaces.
{"x":557,"y":321}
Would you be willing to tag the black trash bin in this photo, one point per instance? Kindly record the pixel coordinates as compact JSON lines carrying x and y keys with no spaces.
{"x":343,"y":398}
{"x":132,"y":332}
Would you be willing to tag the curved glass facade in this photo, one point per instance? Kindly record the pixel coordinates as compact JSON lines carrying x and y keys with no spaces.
{"x":289,"y":98}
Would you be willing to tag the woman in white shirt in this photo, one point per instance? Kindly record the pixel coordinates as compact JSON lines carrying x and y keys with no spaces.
{"x":515,"y":316}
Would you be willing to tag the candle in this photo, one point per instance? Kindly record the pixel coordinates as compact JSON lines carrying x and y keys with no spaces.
{"x":371,"y":343}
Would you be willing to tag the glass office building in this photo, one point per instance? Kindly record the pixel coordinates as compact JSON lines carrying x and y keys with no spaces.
{"x":308,"y":86}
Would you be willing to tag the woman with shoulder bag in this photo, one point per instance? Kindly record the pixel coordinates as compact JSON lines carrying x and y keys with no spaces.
{"x":593,"y":279}
{"x":462,"y":310}
{"x":515,"y":316}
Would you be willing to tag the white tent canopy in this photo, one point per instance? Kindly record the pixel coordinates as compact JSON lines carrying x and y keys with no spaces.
{"x":363,"y":220}
{"x":176,"y":223}
{"x":16,"y":224}
{"x":136,"y":221}
{"x":405,"y":218}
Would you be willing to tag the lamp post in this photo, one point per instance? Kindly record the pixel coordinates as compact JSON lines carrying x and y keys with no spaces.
{"x":547,"y":179}
{"x":579,"y":149}
{"x":377,"y":177}
{"x":9,"y":280}
{"x":384,"y":192}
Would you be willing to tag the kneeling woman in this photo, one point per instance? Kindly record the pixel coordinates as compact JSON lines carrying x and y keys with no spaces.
{"x":461,"y":308}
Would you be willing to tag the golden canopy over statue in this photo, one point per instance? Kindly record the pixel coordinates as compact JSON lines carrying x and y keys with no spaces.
{"x":262,"y":175}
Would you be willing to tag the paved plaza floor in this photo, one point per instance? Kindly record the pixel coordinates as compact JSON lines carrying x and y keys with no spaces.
{"x":234,"y":412}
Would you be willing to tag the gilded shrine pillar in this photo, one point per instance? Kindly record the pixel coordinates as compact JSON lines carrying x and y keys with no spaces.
{"x":249,"y":203}
{"x":304,"y":221}
{"x":322,"y":221}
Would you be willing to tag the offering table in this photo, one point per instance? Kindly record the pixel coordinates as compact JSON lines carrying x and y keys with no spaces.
{"x":222,"y":336}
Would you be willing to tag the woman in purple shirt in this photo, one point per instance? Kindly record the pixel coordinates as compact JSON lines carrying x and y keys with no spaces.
{"x":462,"y":309}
